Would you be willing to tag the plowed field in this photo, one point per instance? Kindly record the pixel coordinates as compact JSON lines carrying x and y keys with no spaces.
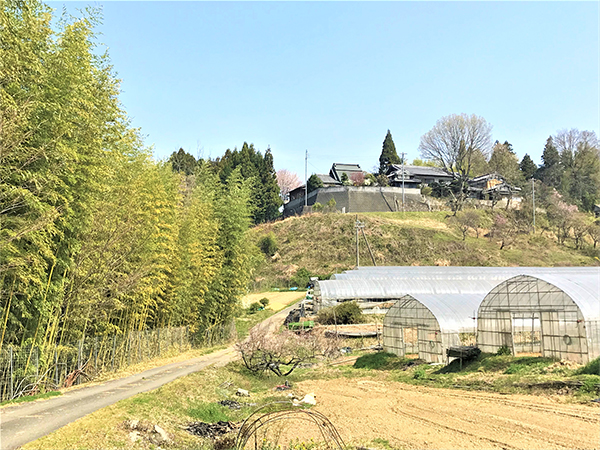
{"x":416,"y":417}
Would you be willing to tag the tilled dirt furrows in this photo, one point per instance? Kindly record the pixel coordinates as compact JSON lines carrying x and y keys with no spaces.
{"x":419,"y":417}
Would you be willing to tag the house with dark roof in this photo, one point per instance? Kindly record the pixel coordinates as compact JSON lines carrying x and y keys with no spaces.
{"x":337,"y":170}
{"x":416,"y":176}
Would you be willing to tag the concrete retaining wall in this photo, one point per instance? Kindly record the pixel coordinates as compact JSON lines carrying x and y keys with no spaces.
{"x":352,"y":199}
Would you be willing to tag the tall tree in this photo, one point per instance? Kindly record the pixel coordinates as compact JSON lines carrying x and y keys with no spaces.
{"x":260,"y":169}
{"x":182,"y":161}
{"x":453,"y":143}
{"x":550,"y":172}
{"x":527,"y":167}
{"x":388,"y":154}
{"x":504,"y":161}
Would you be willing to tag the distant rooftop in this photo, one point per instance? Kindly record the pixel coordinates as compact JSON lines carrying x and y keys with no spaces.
{"x":422,"y":171}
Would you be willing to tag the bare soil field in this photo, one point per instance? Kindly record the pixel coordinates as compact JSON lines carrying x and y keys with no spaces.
{"x":416,"y":417}
{"x":277,"y":300}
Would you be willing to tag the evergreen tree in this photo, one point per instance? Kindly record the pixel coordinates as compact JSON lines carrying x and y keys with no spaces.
{"x":550,"y":172}
{"x":527,"y":167}
{"x":388,"y":154}
{"x":259,"y":170}
{"x":182,"y":161}
{"x":314,"y":182}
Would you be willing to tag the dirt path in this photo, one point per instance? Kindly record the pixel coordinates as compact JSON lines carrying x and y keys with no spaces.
{"x":417,"y":417}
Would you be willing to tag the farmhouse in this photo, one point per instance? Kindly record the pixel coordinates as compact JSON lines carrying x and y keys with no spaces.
{"x":416,"y":176}
{"x":491,"y":185}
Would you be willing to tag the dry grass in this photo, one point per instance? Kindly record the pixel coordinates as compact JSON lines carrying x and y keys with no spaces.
{"x":325,"y":244}
{"x":277,"y":300}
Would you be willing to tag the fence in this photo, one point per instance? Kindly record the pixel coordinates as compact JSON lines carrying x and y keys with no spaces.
{"x":29,"y":370}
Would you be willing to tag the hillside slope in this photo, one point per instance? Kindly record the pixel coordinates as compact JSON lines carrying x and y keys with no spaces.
{"x":325,"y":244}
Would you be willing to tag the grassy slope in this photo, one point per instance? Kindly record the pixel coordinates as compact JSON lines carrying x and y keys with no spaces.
{"x":325,"y":243}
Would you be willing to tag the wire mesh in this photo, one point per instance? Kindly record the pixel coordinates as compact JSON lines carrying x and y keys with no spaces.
{"x":28,"y":370}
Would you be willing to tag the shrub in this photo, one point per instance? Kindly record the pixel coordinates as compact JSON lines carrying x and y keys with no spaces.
{"x":426,"y":190}
{"x":504,"y":350}
{"x":420,"y":373}
{"x":268,"y":244}
{"x":331,"y":205}
{"x":254,"y":307}
{"x":301,"y":278}
{"x":264,"y":301}
{"x":317,"y":207}
{"x":591,"y":368}
{"x":342,"y":314}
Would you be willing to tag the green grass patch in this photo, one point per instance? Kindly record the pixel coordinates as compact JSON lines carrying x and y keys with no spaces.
{"x":381,"y":361}
{"x":31,"y":398}
{"x":247,"y":320}
{"x":591,"y":368}
{"x":209,"y":412}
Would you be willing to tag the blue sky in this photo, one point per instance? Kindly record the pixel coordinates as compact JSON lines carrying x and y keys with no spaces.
{"x":333,"y":77}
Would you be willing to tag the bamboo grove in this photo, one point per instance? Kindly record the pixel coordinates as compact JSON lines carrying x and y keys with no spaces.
{"x":97,"y":238}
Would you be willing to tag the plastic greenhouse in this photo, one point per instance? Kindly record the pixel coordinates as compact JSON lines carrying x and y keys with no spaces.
{"x":555,"y":315}
{"x":436,"y":307}
{"x":427,"y":324}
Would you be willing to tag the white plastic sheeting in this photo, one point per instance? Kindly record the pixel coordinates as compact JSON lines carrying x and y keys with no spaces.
{"x":555,"y":314}
{"x":444,"y":301}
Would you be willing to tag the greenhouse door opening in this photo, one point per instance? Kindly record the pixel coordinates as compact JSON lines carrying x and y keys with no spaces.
{"x":526,"y":330}
{"x":410,"y":337}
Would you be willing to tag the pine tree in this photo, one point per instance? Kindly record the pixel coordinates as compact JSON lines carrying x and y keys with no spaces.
{"x":550,"y":172}
{"x":388,"y":154}
{"x":527,"y":167}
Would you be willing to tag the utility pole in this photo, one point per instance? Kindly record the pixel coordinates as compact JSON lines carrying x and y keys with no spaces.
{"x":402,"y":181}
{"x":533,"y":200}
{"x":358,"y":226}
{"x":306,"y":179}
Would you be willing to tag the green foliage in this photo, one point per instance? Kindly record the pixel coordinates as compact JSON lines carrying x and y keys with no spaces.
{"x":342,"y":314}
{"x":504,"y":162}
{"x":314,"y":182}
{"x":264,"y":302}
{"x":388,"y":154}
{"x":301,"y":278}
{"x":181,"y":161}
{"x":504,"y":350}
{"x":528,"y":167}
{"x":254,"y":307}
{"x":380,"y":361}
{"x":591,"y":368}
{"x":268,"y":244}
{"x":426,"y":190}
{"x":317,"y":207}
{"x":331,"y":204}
{"x":258,"y":170}
{"x":420,"y":373}
{"x":95,"y":236}
{"x":209,"y":412}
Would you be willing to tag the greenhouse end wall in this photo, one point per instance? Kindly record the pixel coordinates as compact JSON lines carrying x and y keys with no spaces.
{"x":410,"y":327}
{"x":558,"y":326}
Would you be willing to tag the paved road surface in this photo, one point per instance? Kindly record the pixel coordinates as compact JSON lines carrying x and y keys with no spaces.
{"x":26,"y":422}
